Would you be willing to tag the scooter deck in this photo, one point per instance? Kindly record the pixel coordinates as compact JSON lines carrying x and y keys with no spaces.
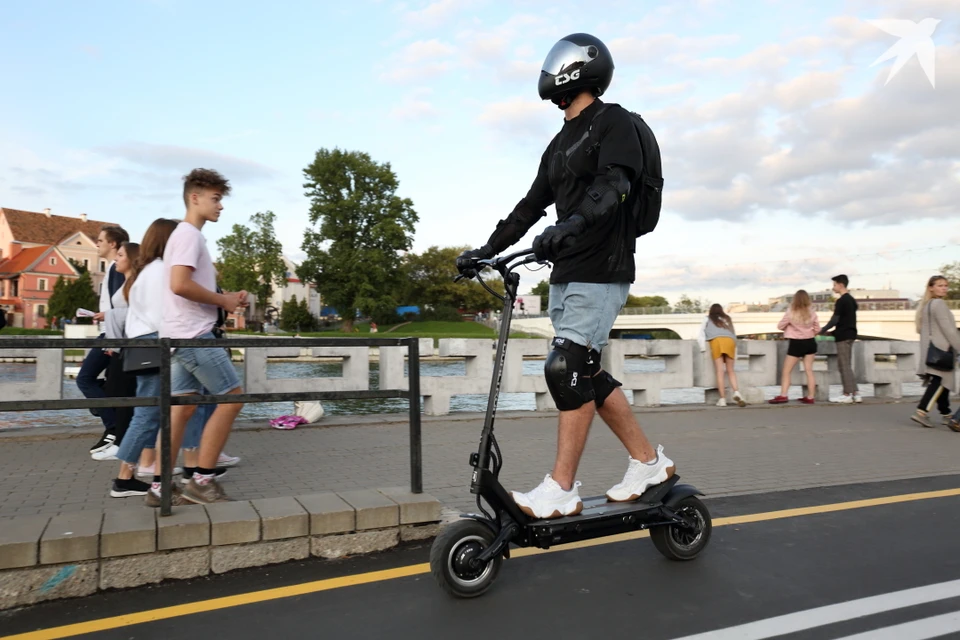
{"x":600,"y":517}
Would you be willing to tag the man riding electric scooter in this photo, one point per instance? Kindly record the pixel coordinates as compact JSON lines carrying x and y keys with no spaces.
{"x":588,"y":171}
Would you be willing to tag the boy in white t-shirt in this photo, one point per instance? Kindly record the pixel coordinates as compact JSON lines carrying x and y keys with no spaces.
{"x":190,"y":312}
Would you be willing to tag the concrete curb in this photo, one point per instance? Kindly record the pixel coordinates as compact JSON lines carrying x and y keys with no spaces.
{"x":51,"y":557}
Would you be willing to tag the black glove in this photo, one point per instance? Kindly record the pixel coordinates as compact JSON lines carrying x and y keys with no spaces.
{"x":549,"y":244}
{"x":467,"y":261}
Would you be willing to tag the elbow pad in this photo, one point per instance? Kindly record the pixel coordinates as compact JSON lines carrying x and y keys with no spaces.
{"x":509,"y":231}
{"x":604,"y":196}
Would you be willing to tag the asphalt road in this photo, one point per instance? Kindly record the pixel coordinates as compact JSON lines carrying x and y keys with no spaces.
{"x":821,"y":573}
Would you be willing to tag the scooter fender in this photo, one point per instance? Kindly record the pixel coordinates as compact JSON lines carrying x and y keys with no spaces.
{"x":678,"y":493}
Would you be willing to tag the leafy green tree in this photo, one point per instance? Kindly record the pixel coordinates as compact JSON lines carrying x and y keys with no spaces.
{"x":952,"y":273}
{"x":359,"y":227}
{"x":79,"y":266}
{"x":252,"y":260}
{"x":647,"y":301}
{"x":296,"y":316}
{"x":542,"y":289}
{"x":429,"y":280}
{"x":688,"y":305}
{"x":69,"y":295}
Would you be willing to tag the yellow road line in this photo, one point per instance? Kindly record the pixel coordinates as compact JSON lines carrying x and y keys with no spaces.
{"x":164,"y":613}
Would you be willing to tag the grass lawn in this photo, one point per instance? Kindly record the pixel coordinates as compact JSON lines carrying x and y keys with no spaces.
{"x":434,"y":329}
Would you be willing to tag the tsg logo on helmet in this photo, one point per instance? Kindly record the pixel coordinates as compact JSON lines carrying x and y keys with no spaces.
{"x":564,"y":78}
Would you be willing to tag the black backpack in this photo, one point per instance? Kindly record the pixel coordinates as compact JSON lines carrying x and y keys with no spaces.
{"x":646,"y":192}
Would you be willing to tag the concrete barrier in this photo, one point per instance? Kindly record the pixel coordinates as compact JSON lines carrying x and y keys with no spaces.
{"x":885,"y":364}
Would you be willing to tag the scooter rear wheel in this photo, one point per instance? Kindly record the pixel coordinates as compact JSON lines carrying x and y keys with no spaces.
{"x":451,"y":554}
{"x":684,"y":543}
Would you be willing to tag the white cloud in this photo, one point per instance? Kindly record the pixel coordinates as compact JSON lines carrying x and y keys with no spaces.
{"x":518,"y":118}
{"x":182,"y":159}
{"x":419,"y":60}
{"x":434,"y":14}
{"x":414,"y":106}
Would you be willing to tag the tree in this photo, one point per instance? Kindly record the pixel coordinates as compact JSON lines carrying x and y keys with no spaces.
{"x":79,"y":266}
{"x":429,"y":280}
{"x":647,"y":301}
{"x":69,"y":295}
{"x":359,"y":227}
{"x":296,"y":316}
{"x":542,"y":289}
{"x":688,"y":305}
{"x":252,"y":260}
{"x":952,"y":273}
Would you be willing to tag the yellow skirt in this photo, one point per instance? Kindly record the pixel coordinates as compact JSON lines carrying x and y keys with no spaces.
{"x":723,"y":346}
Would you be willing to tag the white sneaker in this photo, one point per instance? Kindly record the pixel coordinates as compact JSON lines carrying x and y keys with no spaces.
{"x":641,"y":476}
{"x":739,"y":399}
{"x":228,"y":461}
{"x":149,"y":472}
{"x":549,"y":500}
{"x":108,"y":453}
{"x":722,"y":402}
{"x":844,"y":399}
{"x":857,"y":398}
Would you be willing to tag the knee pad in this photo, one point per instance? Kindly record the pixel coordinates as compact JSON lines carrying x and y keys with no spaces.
{"x":568,"y":375}
{"x":603,"y":386}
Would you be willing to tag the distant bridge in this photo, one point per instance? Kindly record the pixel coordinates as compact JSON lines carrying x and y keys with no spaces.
{"x":883,"y":325}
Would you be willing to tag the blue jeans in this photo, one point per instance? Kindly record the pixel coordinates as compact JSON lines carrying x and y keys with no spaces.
{"x":193,"y":369}
{"x":145,"y":425}
{"x":93,"y":365}
{"x":584,"y":312}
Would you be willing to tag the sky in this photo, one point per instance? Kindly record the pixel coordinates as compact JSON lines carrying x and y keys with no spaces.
{"x":788,"y":156}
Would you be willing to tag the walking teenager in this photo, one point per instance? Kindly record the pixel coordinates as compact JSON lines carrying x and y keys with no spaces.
{"x":937,"y":328}
{"x":717,"y":329}
{"x":800,"y":326}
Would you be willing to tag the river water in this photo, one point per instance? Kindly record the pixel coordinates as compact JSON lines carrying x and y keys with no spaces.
{"x":278,"y":370}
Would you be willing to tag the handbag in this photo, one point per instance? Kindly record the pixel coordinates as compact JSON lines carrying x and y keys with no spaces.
{"x":140,"y":360}
{"x":937,"y":358}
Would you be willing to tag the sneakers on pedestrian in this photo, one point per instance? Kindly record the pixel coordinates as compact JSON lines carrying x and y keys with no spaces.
{"x":188,"y":472}
{"x":954,"y":425}
{"x":722,"y":402}
{"x":549,"y":500}
{"x":921,"y":418}
{"x":857,"y":398}
{"x":176,"y":498}
{"x":640,"y":476}
{"x":204,"y":493}
{"x":844,"y":399}
{"x":105,"y":441}
{"x":780,"y":400}
{"x":110,"y":453}
{"x":129,"y":487}
{"x":149,"y":472}
{"x":739,"y":399}
{"x":806,"y":400}
{"x":228,"y":461}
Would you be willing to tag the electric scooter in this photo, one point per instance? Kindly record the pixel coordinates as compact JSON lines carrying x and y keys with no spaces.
{"x":467,"y":555}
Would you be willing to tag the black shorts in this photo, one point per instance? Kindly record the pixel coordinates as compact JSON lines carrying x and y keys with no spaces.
{"x":800,"y":348}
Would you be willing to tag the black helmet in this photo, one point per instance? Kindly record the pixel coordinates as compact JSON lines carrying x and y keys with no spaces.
{"x":578,"y":62}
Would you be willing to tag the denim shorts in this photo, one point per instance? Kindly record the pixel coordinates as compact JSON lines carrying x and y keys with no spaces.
{"x":584,"y":312}
{"x":193,"y":369}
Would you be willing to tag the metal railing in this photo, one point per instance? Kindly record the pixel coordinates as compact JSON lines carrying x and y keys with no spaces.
{"x":164,"y":400}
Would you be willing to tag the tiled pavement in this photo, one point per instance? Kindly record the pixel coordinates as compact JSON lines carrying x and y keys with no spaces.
{"x":722,"y":451}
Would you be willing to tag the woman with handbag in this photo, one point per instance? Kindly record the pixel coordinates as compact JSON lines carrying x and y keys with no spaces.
{"x":939,"y":346}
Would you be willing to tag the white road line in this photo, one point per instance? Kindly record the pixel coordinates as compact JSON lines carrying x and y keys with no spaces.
{"x":917,"y":630}
{"x":812,"y":618}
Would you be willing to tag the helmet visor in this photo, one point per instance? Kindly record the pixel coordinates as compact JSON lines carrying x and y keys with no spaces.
{"x":565,"y":53}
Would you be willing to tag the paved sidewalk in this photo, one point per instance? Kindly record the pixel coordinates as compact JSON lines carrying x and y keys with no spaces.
{"x":722,"y":451}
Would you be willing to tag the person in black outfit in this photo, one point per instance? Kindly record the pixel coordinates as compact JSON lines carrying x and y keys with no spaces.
{"x":586,"y":171}
{"x":844,"y":325}
{"x":97,"y":360}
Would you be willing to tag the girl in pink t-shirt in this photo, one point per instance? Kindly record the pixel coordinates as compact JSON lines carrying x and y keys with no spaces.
{"x":800,"y":326}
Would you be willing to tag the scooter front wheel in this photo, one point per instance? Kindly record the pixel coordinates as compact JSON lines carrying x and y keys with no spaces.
{"x":679,"y":542}
{"x":452,"y":559}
